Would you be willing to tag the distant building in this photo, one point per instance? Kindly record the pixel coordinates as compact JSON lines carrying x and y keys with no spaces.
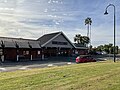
{"x":80,"y":49}
{"x":53,"y":44}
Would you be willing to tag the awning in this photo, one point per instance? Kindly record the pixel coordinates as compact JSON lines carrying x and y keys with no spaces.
{"x":9,"y":44}
{"x":34,"y":44}
{"x":23,"y":44}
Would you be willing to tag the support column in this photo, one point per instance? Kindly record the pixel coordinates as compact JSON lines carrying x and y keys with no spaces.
{"x":31,"y":58}
{"x":42,"y":54}
{"x":43,"y":57}
{"x":17,"y":58}
{"x":17,"y":52}
{"x":2,"y":58}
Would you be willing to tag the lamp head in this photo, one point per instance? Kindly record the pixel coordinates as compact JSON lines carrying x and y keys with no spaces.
{"x":106,"y":12}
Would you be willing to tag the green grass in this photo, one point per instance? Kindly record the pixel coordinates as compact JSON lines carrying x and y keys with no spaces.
{"x":85,"y":76}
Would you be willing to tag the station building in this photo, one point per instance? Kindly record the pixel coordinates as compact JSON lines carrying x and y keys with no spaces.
{"x":49,"y":45}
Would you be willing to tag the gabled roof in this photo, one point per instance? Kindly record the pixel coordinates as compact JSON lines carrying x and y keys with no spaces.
{"x":45,"y":39}
{"x":68,"y":39}
{"x":30,"y":43}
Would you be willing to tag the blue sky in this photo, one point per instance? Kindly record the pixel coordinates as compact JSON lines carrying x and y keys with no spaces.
{"x":33,"y":18}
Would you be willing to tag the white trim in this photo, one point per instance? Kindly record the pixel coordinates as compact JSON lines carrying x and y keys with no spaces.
{"x":68,"y":39}
{"x":57,"y":36}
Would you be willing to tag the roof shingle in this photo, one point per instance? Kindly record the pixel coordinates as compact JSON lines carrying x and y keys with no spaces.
{"x":47,"y":37}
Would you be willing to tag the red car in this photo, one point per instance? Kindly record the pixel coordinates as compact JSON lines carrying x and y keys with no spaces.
{"x":85,"y":58}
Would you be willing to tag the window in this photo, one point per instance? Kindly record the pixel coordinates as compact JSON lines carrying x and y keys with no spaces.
{"x":25,"y":52}
{"x":59,"y":43}
{"x":38,"y":52}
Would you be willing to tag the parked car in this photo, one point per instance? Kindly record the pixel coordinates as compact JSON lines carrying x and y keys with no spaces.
{"x":85,"y":58}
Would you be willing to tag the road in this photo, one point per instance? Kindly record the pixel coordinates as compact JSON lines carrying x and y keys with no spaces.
{"x":106,"y":57}
{"x":57,"y":61}
{"x":54,"y":61}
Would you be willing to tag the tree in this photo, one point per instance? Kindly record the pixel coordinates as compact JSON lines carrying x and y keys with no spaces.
{"x":81,"y":39}
{"x":100,"y":48}
{"x":78,"y":38}
{"x":108,"y":48}
{"x":88,"y":22}
{"x":86,"y":40}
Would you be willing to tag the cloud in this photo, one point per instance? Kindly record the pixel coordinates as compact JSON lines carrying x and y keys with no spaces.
{"x":33,"y":18}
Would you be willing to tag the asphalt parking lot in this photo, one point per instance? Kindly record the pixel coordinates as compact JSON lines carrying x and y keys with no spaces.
{"x":25,"y":65}
{"x":47,"y":62}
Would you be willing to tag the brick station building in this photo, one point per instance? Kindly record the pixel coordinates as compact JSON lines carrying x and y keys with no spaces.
{"x":53,"y":44}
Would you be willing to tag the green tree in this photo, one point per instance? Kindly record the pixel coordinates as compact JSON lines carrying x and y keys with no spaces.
{"x":78,"y":38}
{"x":100,"y":48}
{"x":108,"y":48}
{"x":81,"y":39}
{"x":86,"y":40}
{"x":88,"y":22}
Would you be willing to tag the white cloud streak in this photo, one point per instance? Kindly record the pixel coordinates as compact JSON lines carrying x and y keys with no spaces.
{"x":33,"y":18}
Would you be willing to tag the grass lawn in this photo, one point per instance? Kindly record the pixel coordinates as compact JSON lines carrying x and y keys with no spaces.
{"x":86,"y":76}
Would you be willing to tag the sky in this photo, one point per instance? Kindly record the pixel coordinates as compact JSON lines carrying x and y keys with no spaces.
{"x":33,"y":18}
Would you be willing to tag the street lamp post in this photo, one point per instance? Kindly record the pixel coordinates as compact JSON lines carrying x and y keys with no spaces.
{"x":114,"y":24}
